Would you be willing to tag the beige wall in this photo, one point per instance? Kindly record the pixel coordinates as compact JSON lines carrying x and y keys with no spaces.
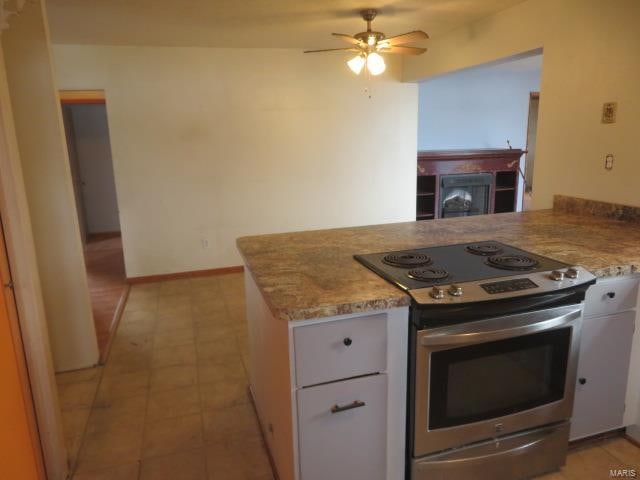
{"x":219,"y":143}
{"x":38,"y":125}
{"x":591,"y":56}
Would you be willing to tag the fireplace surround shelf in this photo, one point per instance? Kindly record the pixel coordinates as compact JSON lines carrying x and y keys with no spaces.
{"x":439,"y":170}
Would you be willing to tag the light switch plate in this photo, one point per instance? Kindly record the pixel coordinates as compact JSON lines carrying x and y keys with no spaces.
{"x":609,"y":110}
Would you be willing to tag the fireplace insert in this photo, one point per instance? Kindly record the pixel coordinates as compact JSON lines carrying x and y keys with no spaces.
{"x":465,"y":194}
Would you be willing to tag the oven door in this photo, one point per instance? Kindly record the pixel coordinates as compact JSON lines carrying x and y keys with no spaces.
{"x":488,"y":378}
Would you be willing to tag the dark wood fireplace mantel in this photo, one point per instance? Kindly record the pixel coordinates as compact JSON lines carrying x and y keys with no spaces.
{"x":502,"y":164}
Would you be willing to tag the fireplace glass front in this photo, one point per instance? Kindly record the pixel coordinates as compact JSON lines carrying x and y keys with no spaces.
{"x":463,"y":195}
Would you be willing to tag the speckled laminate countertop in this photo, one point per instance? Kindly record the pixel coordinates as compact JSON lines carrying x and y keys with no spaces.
{"x":312,"y":274}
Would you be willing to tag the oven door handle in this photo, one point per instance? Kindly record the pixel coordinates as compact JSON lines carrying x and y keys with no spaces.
{"x":499,"y":328}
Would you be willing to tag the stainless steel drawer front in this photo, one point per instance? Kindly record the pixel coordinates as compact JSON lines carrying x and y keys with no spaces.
{"x":513,"y":457}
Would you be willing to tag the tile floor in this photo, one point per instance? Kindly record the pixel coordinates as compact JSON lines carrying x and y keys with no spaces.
{"x":171,"y":401}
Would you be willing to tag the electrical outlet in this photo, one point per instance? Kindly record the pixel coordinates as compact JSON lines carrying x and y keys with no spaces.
{"x":205,"y":243}
{"x":609,"y":112}
{"x":608,"y":161}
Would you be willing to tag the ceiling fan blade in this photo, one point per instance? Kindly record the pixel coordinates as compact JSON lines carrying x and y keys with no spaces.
{"x":346,"y":49}
{"x":347,"y":38}
{"x":409,"y":37}
{"x":403,"y":50}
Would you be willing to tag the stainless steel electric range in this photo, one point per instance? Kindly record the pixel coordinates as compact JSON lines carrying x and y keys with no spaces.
{"x":493,"y":350}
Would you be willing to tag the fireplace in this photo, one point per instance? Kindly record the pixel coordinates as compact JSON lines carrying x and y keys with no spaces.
{"x":463,"y":195}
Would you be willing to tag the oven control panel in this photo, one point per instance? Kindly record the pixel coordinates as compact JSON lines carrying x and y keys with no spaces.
{"x":532,"y":283}
{"x":505,"y":286}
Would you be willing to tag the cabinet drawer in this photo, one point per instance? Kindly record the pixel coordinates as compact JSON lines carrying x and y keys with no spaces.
{"x":345,"y":348}
{"x":611,"y":296}
{"x":348,"y":444}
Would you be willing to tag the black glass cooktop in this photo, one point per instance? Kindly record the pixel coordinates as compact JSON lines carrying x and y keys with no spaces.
{"x":464,"y":262}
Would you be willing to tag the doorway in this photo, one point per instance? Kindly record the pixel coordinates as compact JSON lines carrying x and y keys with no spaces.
{"x":532,"y":128}
{"x":88,"y":142}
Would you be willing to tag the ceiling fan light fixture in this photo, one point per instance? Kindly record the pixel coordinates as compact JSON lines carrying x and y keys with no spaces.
{"x":356,"y":64}
{"x":375,"y":64}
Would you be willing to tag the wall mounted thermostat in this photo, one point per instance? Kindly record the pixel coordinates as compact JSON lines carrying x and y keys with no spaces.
{"x":609,"y":112}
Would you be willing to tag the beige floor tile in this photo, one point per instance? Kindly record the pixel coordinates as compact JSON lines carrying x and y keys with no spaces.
{"x":230,"y":371}
{"x":73,"y":445}
{"x":178,"y":355}
{"x":122,"y":472}
{"x":168,"y":378}
{"x":142,"y":303}
{"x":149,"y":290}
{"x":173,"y":322}
{"x":624,"y":451}
{"x":591,"y":462}
{"x":119,"y":415}
{"x":210,"y":332}
{"x":172,"y":435}
{"x":79,"y":376}
{"x":74,"y":421}
{"x":77,"y":395}
{"x":127,"y":344}
{"x":121,"y":386}
{"x":176,"y":300}
{"x":234,"y":423}
{"x":174,"y":287}
{"x":214,"y":319}
{"x":181,"y":336}
{"x":243,"y":460}
{"x":552,"y":476}
{"x":137,"y":328}
{"x":210,"y":306}
{"x":218,"y":351}
{"x":111,"y":449}
{"x":173,"y":403}
{"x":128,"y":362}
{"x":223,"y":394}
{"x":177,"y":466}
{"x":209,"y":282}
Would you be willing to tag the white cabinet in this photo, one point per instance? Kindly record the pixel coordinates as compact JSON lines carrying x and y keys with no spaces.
{"x":341,"y":349}
{"x":343,"y":430}
{"x":300,"y":371}
{"x":605,"y":350}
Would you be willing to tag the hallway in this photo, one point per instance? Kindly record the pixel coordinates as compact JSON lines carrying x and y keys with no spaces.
{"x":107,"y":285}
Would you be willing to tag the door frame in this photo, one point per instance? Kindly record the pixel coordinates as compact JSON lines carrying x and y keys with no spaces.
{"x":30,"y":320}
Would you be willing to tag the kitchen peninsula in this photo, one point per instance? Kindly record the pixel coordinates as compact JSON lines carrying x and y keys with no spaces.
{"x":326,"y":333}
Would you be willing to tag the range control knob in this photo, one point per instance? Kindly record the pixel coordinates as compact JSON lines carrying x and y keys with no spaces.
{"x":437,"y":293}
{"x":455,"y":290}
{"x":572,"y":273}
{"x":556,"y":275}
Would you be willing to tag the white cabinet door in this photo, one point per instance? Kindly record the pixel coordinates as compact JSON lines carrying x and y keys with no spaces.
{"x":342,"y":443}
{"x":605,"y":349}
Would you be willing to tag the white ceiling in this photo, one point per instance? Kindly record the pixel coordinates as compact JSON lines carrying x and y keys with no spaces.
{"x":250,"y":23}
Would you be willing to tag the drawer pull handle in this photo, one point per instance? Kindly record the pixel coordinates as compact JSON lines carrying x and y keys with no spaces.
{"x":582,"y":381}
{"x":611,"y":294}
{"x":347,"y":341}
{"x":338,"y":408}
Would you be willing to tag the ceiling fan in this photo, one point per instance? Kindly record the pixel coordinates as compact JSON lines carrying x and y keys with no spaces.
{"x":370,"y":44}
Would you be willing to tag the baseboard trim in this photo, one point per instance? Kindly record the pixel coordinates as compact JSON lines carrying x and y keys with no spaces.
{"x":181,"y":275}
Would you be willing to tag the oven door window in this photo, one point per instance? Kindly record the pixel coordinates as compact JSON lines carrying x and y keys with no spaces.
{"x":489,"y":380}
